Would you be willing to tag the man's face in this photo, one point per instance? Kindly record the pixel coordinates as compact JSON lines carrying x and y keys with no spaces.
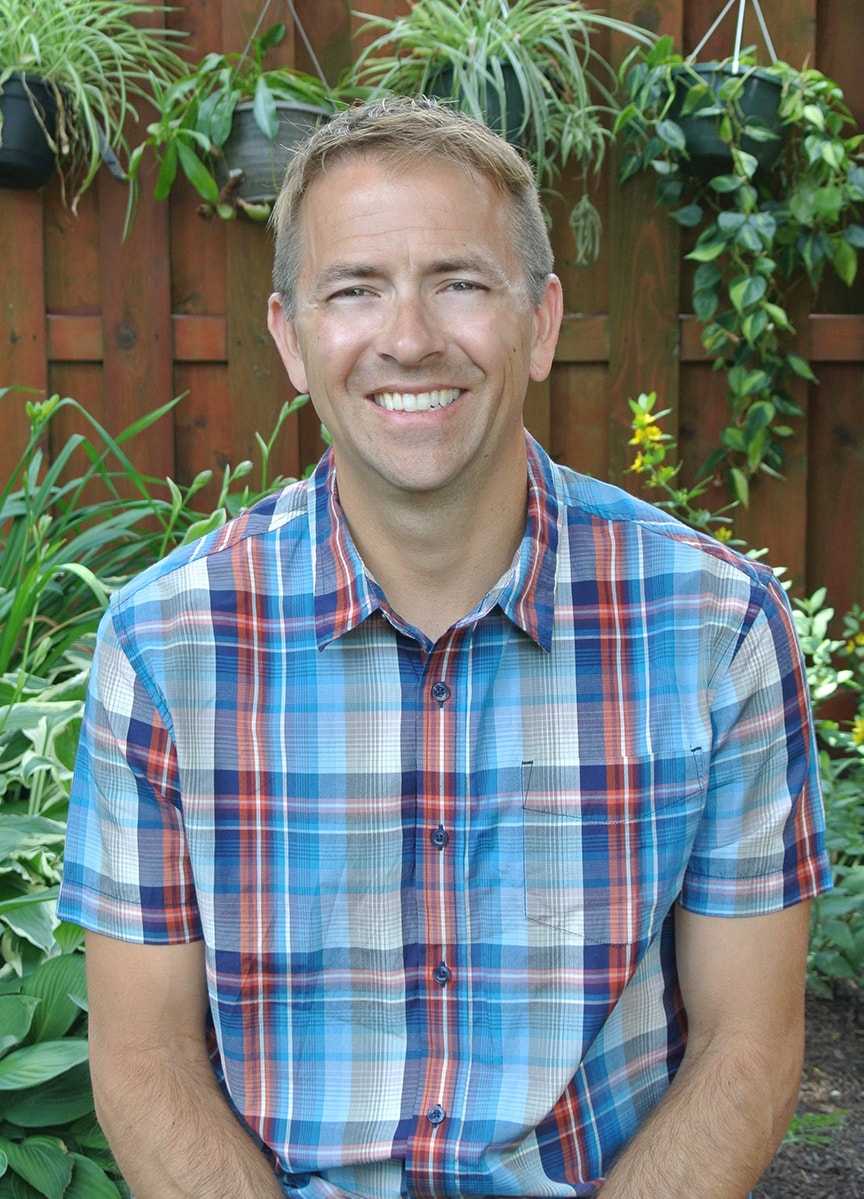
{"x":413,"y":330}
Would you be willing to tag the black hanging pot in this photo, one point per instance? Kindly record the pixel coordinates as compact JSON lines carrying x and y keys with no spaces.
{"x":508,"y":122}
{"x":260,"y":161}
{"x":27,"y":156}
{"x":759,"y":102}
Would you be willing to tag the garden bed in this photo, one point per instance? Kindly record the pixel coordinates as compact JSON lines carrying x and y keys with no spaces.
{"x":832,"y":1082}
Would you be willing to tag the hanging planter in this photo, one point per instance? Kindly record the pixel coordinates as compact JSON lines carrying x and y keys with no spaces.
{"x":499,"y":102}
{"x":27,"y":133}
{"x":230,"y":125}
{"x":96,"y":60}
{"x":533,"y":60}
{"x":770,"y":199}
{"x":703,"y":92}
{"x":254,"y":161}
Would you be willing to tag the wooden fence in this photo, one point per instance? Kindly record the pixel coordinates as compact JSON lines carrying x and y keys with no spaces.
{"x":180,"y":306}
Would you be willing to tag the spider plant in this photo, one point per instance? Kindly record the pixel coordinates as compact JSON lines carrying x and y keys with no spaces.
{"x":527,"y":68}
{"x":97,"y":60}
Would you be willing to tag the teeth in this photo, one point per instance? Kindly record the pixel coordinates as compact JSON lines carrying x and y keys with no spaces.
{"x":408,"y":401}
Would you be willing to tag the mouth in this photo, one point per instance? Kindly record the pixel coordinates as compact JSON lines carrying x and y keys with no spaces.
{"x":410,"y":401}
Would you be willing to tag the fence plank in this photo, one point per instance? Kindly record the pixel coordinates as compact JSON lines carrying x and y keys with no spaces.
{"x":643,"y":300}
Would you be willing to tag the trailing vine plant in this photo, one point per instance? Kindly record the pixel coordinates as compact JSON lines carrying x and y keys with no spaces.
{"x":762,"y":231}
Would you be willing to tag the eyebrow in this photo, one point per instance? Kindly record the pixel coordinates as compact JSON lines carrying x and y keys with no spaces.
{"x":343,"y":272}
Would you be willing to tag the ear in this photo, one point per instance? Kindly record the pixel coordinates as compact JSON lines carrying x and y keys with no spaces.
{"x":547,"y":322}
{"x":284,"y":333}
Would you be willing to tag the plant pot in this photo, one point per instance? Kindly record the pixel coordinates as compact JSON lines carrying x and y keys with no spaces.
{"x":27,"y":157}
{"x":508,"y":124}
{"x":261,"y":162}
{"x":759,"y":98}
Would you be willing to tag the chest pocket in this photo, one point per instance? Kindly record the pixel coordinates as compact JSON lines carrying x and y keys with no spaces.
{"x":606,"y":843}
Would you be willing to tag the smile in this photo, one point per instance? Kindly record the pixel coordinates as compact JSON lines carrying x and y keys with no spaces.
{"x":408,"y":401}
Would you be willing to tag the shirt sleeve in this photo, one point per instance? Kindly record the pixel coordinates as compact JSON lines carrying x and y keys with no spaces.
{"x":760,"y":845}
{"x":126,"y":869}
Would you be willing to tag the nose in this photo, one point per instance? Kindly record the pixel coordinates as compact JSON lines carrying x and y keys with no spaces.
{"x":410,"y":332}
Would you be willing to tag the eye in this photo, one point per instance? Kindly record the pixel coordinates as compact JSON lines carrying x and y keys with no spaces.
{"x":358,"y":291}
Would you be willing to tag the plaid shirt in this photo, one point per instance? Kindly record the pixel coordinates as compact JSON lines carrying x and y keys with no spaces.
{"x":435,"y":881}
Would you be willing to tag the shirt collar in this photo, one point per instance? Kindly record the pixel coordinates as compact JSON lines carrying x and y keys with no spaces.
{"x":345,"y":595}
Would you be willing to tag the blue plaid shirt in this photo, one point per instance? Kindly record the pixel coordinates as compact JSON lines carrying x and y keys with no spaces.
{"x":435,"y":881}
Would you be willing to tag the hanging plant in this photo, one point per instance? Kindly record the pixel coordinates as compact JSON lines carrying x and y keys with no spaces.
{"x":81,"y":66}
{"x":527,"y":68}
{"x":764,"y":228}
{"x":207,"y":118}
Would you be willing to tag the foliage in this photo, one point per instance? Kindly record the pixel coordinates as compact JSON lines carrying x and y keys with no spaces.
{"x":98,"y":60}
{"x":531,"y":55}
{"x":834,"y":666}
{"x":196,"y":115}
{"x":66,"y":540}
{"x":65,"y":543}
{"x":837,"y":933}
{"x":653,"y":447}
{"x":761,"y":232}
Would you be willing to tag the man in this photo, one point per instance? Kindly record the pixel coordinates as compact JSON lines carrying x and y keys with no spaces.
{"x":452,"y":817}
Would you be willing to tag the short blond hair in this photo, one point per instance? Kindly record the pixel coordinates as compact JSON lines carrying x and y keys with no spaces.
{"x":404,"y":132}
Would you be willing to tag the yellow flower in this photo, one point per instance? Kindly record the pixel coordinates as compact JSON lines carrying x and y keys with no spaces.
{"x":646,"y":435}
{"x":638,"y":463}
{"x":858,"y":731}
{"x":724,"y":533}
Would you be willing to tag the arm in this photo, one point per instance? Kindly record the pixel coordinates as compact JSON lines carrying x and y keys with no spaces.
{"x":715,"y":1131}
{"x":157,"y":1099}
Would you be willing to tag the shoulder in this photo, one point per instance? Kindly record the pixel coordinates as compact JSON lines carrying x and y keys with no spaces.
{"x":632,"y":526}
{"x":201,"y":563}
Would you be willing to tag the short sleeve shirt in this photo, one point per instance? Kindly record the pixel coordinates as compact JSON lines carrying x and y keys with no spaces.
{"x":435,"y":881}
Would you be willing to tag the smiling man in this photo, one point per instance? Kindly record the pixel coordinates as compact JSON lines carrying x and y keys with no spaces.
{"x":445,"y":825}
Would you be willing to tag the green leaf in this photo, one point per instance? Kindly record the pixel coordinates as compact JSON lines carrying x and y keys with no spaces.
{"x":58,"y":1101}
{"x":705,"y":304}
{"x":16,"y":1016}
{"x":746,"y":291}
{"x":671,"y":134}
{"x":38,"y":1063}
{"x":42,"y":1162}
{"x":845,"y":261}
{"x":53,"y":983}
{"x":801,"y":367}
{"x":197,"y":174}
{"x":264,"y":108}
{"x":708,"y":251}
{"x":726,"y":183}
{"x":167,"y":172}
{"x":778,"y":316}
{"x":34,"y":922}
{"x":739,"y":486}
{"x":688,"y":217}
{"x":89,"y":1181}
{"x":854,"y":234}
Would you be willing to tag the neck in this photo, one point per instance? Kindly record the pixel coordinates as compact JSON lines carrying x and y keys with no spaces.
{"x":435,"y":556}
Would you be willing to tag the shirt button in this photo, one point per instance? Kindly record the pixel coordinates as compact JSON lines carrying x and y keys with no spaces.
{"x":436,"y":1114}
{"x":442,"y":974}
{"x":440,"y":692}
{"x":439,"y":837}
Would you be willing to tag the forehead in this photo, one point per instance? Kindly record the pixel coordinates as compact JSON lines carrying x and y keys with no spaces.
{"x":370,"y":200}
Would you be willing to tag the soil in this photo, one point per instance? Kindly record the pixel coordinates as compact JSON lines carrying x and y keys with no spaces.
{"x":832,"y":1083}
